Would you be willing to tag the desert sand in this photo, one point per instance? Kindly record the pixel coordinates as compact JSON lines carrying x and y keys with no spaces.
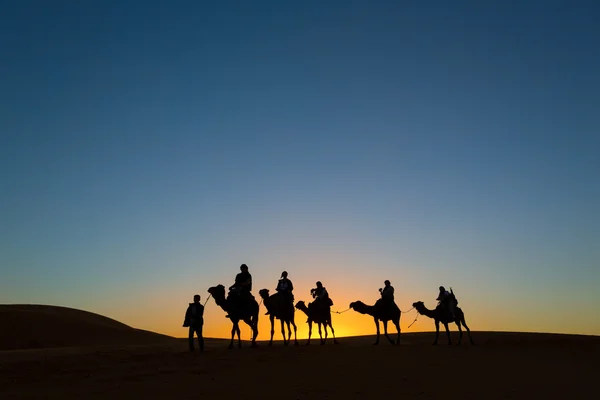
{"x":74,"y":354}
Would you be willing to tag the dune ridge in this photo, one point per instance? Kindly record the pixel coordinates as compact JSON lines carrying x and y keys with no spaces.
{"x":27,"y":326}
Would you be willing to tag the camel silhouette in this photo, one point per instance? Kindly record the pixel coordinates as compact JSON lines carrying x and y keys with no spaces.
{"x":283,"y":311}
{"x":384,"y":314}
{"x":247,"y":313}
{"x":442,"y":315}
{"x":321,"y":316}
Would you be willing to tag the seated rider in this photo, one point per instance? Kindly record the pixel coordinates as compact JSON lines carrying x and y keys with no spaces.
{"x":446,"y":300}
{"x":320,"y":295}
{"x":243,"y":281}
{"x":284,"y":290}
{"x":242,"y":285}
{"x":387,"y":295}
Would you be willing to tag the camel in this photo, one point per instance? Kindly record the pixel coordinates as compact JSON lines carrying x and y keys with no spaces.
{"x":249,"y":315}
{"x":383,"y":314}
{"x":282,"y":311}
{"x":443,"y":316}
{"x":321,"y":317}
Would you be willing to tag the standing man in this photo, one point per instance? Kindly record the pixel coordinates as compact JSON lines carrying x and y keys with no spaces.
{"x":194,"y":319}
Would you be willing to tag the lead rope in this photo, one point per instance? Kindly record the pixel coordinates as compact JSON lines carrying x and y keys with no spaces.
{"x":413,"y":321}
{"x":341,"y":312}
{"x":210,"y":294}
{"x":348,"y":309}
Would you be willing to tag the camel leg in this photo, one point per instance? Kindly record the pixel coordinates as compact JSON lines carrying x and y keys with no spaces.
{"x":377,"y":326}
{"x":326,"y":332}
{"x":460,"y":333}
{"x":385,"y":332}
{"x":255,"y":328}
{"x":289,"y":329}
{"x":437,"y":331}
{"x":333,"y":333}
{"x":272,"y":318}
{"x":295,"y":337}
{"x":233,"y":330}
{"x":283,"y":333}
{"x":448,"y":333}
{"x":397,"y":323}
{"x":320,"y":333}
{"x":239,"y":334}
{"x":253,"y":323}
{"x":467,"y":328}
{"x":309,"y":332}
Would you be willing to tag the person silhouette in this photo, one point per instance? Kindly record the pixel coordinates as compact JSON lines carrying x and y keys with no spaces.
{"x":284,"y":289}
{"x":446,"y":300}
{"x":194,"y":320}
{"x":242,"y":287}
{"x":243,"y":281}
{"x":387,"y":295}
{"x":320,"y":295}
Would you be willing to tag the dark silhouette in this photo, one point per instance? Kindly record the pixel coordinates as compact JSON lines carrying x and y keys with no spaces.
{"x":284,"y":288}
{"x":447,"y":300}
{"x":238,"y":308}
{"x":279,"y":307}
{"x":319,"y":315}
{"x":243,"y":284}
{"x":441,"y":314}
{"x":194,"y":319}
{"x":241,"y":288}
{"x":320,"y":296}
{"x":387,"y":296}
{"x":381,"y":311}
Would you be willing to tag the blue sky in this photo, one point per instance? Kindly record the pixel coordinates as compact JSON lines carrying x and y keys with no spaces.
{"x":149,"y":148}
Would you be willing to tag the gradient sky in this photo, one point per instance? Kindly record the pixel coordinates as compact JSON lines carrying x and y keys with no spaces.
{"x":149,"y":148}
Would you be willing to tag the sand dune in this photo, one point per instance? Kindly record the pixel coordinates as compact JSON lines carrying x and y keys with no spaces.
{"x":502,"y":365}
{"x":27,"y":326}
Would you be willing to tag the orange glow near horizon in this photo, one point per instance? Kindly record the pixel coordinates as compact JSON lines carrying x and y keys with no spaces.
{"x":169,"y":317}
{"x":163,"y":305}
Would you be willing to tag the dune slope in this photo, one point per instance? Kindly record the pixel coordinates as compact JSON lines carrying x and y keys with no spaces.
{"x":27,"y":326}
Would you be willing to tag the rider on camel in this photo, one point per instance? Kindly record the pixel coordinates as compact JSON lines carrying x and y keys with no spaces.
{"x":387,"y":295}
{"x":242,"y":286}
{"x":243,"y":282}
{"x":447,"y":300}
{"x":320,"y":295}
{"x":284,"y":289}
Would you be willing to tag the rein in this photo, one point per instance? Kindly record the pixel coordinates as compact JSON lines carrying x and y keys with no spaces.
{"x":341,"y":312}
{"x":413,"y":321}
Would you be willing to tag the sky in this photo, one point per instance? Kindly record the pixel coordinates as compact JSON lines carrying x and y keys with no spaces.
{"x":148,"y":148}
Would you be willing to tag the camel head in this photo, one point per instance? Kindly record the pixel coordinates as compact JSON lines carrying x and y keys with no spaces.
{"x":358,"y":306}
{"x":264,"y":293}
{"x":300,"y":305}
{"x":217,"y":292}
{"x":419,"y":306}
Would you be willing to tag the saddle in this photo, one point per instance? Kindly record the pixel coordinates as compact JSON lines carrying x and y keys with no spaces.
{"x":242,"y":301}
{"x":448,"y":306}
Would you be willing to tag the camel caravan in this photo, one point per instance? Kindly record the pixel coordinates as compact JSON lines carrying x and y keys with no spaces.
{"x":241,"y":305}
